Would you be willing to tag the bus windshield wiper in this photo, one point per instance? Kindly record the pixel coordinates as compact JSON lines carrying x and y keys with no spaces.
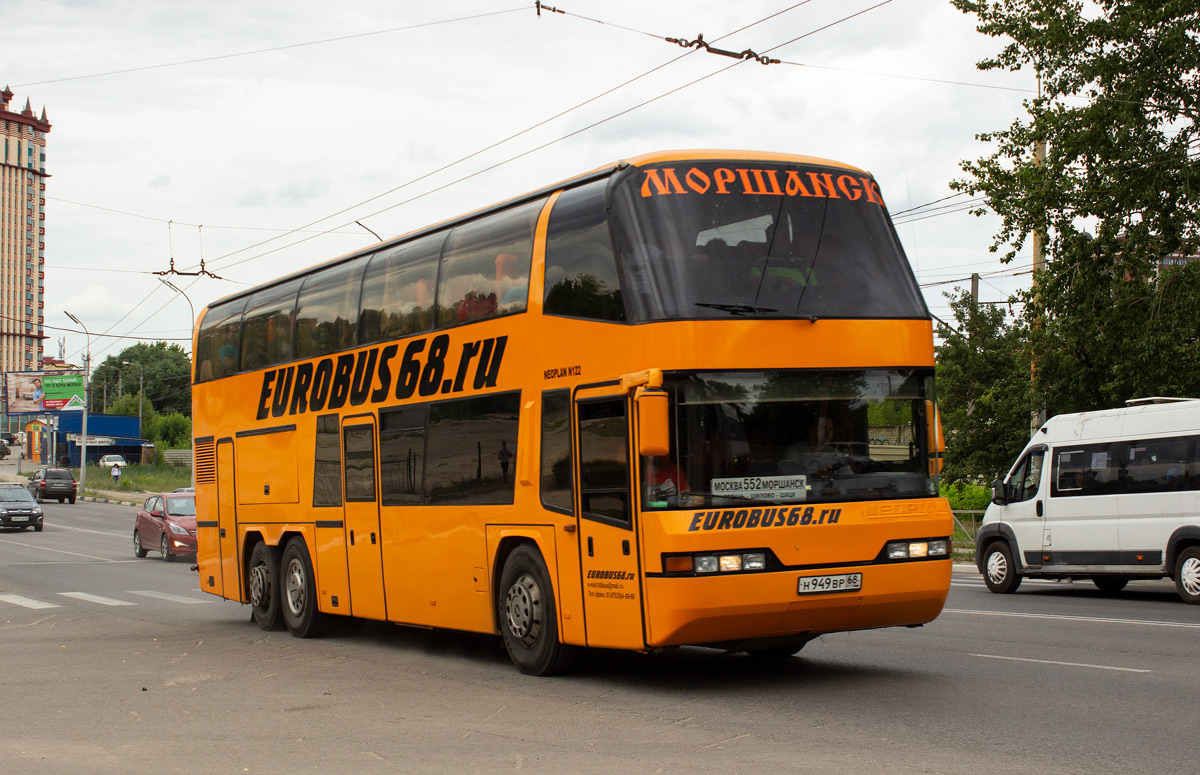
{"x":736,"y":309}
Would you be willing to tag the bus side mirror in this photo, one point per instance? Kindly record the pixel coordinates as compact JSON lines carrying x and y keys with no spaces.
{"x":999,"y":496}
{"x":654,"y":435}
{"x":935,"y":442}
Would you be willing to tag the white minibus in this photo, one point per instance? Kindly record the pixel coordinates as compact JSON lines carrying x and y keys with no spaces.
{"x":1111,"y":496}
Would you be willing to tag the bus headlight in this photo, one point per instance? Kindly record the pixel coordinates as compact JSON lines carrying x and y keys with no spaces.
{"x":731,"y":563}
{"x":739,"y":562}
{"x":917,"y":550}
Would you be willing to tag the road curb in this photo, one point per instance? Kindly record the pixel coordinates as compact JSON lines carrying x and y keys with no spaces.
{"x":90,"y":499}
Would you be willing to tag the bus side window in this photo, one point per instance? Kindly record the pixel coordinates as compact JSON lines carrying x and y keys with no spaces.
{"x":402,"y":455}
{"x":558,"y":478}
{"x":581,"y":269}
{"x":267,"y":326}
{"x":220,"y":342}
{"x":327,"y":309}
{"x":397,"y":297}
{"x":603,"y":460}
{"x":482,"y":261}
{"x":327,"y":473}
{"x":471,"y":444}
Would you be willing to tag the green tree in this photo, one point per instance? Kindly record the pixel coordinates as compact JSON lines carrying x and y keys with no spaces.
{"x":165,"y":373}
{"x":170,"y":431}
{"x":1110,"y":318}
{"x":983,"y":379}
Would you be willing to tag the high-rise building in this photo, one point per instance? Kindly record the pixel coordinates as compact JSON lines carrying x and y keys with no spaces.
{"x":22,"y":235}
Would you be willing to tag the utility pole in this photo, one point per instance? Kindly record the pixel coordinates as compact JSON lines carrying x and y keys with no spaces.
{"x":87,"y":365}
{"x":1039,"y":265}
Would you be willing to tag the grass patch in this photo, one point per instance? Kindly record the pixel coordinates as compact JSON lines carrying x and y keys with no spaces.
{"x":139,"y":478}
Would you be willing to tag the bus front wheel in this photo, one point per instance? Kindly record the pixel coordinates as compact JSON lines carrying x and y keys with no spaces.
{"x":299,"y":592}
{"x":999,"y":571}
{"x":528,"y":621}
{"x":264,"y":587}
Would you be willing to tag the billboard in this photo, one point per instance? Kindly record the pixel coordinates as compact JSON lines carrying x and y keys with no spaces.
{"x":43,"y":392}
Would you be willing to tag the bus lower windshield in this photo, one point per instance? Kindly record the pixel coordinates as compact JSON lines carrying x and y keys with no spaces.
{"x":793,"y":437}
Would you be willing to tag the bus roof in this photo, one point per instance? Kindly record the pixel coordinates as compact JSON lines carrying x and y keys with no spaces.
{"x":656,"y":157}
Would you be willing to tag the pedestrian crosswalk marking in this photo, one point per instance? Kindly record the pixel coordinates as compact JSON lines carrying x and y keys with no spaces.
{"x":27,"y":602}
{"x":90,"y":598}
{"x":165,"y":596}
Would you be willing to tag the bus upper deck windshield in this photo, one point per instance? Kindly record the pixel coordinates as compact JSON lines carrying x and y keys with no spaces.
{"x":715,"y":239}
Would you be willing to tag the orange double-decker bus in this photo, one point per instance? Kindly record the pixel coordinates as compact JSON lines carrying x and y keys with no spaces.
{"x":686,"y":399}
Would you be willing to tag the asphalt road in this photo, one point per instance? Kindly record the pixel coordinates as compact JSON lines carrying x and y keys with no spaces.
{"x":119,"y":665}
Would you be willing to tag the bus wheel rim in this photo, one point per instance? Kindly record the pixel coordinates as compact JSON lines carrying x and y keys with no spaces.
{"x":260,"y":585}
{"x":1189,"y":575}
{"x":524,"y":609}
{"x":295,"y":588}
{"x":997,"y":567}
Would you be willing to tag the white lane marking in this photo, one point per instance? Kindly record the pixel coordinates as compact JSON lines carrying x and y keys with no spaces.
{"x":90,"y":598}
{"x":27,"y":602}
{"x":87,"y":530}
{"x":165,"y":596}
{"x":1064,"y":664}
{"x":1063,"y":618}
{"x":60,"y":551}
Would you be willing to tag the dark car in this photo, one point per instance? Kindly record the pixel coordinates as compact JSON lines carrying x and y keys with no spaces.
{"x":17,"y":508}
{"x":167,"y":523}
{"x":57,"y":483}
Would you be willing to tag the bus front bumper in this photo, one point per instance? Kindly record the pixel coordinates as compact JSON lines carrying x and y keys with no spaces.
{"x":699,"y":610}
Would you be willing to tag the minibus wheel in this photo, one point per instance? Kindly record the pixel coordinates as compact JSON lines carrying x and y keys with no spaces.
{"x":262,"y":581}
{"x":999,"y":571}
{"x":1187,"y":575}
{"x":528,"y":620}
{"x":1109,"y":584}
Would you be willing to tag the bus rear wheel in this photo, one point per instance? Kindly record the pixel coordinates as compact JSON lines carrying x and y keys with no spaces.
{"x":1187,"y":575}
{"x":299,"y":592}
{"x":264,"y":587}
{"x":999,"y":571}
{"x":528,"y":620}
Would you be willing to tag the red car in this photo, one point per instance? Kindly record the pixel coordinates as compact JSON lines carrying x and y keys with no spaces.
{"x":166,"y":523}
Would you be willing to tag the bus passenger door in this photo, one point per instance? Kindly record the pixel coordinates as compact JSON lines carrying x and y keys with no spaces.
{"x":364,"y":543}
{"x":227,"y":532}
{"x":607,"y":532}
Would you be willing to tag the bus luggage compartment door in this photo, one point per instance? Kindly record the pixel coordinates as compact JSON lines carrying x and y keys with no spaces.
{"x":607,"y":531}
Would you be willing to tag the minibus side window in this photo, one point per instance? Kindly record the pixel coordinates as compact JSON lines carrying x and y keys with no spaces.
{"x":1023,"y":484}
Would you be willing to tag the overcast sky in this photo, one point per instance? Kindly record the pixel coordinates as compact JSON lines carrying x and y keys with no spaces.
{"x":216,"y":130}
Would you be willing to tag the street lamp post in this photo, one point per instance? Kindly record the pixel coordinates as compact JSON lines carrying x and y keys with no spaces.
{"x":87,"y":364}
{"x":172,"y":286}
{"x":140,"y":376}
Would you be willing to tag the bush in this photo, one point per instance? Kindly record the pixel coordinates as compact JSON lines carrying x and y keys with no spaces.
{"x":967,"y":497}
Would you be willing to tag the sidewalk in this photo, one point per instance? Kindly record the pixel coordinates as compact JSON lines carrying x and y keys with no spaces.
{"x":8,"y":473}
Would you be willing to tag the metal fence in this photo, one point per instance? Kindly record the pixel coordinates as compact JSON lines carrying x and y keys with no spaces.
{"x":177,"y":457}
